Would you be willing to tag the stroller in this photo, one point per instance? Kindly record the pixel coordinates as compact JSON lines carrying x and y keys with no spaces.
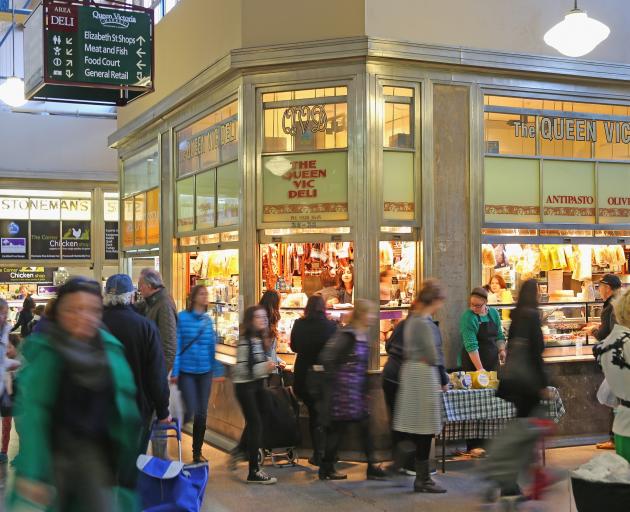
{"x":170,"y":486}
{"x":281,"y":425}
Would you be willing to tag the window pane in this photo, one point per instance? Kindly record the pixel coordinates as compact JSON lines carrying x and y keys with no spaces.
{"x":327,"y":92}
{"x":397,"y":127}
{"x":209,"y":142}
{"x":45,"y":209}
{"x":610,"y":143}
{"x":569,"y":192}
{"x":76,"y":209}
{"x":612,"y":190}
{"x":185,"y":204}
{"x":128,"y":222}
{"x":206,"y":192}
{"x":398,"y":91}
{"x":510,"y":134}
{"x":111,"y":207}
{"x":398,"y":186}
{"x":557,"y":134}
{"x":153,"y":216}
{"x":229,"y":187}
{"x":512,"y":189}
{"x":140,"y":219}
{"x":306,"y":128}
{"x":141,"y":172}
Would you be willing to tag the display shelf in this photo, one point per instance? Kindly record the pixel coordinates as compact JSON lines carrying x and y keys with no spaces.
{"x":563,"y":323}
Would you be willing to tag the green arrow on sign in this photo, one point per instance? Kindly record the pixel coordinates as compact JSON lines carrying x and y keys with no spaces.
{"x":68,"y":62}
{"x":141,"y":40}
{"x":140,"y":53}
{"x":140,"y":64}
{"x":69,"y":73}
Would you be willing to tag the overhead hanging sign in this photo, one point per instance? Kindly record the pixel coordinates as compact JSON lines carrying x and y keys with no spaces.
{"x":88,"y":53}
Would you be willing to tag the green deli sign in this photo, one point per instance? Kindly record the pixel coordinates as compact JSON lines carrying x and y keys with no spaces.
{"x":91,"y":53}
{"x":305,"y":187}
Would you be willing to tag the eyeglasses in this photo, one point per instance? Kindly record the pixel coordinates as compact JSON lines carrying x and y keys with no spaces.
{"x":475,"y":305}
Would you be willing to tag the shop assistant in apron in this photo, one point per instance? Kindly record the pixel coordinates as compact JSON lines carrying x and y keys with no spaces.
{"x":483,"y":338}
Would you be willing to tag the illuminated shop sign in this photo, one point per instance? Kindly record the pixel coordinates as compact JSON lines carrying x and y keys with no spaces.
{"x":307,"y":187}
{"x":560,"y":128}
{"x":20,"y":207}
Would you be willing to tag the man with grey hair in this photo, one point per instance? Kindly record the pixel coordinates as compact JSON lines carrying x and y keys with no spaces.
{"x":143,"y":350}
{"x":160,"y":307}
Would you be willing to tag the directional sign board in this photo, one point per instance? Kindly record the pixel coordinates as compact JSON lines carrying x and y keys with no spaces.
{"x":91,"y":52}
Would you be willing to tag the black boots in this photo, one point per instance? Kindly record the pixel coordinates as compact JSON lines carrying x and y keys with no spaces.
{"x":327,"y":471}
{"x":424,"y":482}
{"x":199,"y":432}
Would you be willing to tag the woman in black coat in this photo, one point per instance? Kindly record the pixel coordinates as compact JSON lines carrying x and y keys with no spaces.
{"x":523,"y":382}
{"x":525,"y":343}
{"x":25,"y":317}
{"x":308,"y":337}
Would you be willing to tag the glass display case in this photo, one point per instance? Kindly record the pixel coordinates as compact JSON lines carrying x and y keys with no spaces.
{"x":223,"y":308}
{"x":389,"y":316}
{"x":563,"y":326}
{"x":218,"y":271}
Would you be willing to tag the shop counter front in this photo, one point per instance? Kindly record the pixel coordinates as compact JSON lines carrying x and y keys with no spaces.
{"x":225,"y":418}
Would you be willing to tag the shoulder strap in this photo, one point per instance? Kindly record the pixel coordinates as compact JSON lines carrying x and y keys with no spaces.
{"x":196,"y":338}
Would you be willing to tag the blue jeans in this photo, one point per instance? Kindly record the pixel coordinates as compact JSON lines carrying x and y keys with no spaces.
{"x":195,"y":388}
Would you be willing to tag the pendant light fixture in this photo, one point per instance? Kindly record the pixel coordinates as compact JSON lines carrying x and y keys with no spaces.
{"x":577,"y":34}
{"x":12,"y":90}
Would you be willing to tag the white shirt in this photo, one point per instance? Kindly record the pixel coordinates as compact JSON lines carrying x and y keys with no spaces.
{"x":618,"y":377}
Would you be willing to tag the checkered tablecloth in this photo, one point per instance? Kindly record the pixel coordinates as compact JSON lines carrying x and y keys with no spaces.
{"x":479,"y":414}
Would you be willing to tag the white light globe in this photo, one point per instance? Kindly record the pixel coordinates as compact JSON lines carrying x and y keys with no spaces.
{"x":278,"y":165}
{"x":12,"y":92}
{"x":577,"y":34}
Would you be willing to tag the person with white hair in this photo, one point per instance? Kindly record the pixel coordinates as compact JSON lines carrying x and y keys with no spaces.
{"x":161,"y":309}
{"x":141,"y":340}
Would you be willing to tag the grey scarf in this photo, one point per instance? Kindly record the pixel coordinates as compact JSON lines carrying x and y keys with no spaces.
{"x":85,"y":361}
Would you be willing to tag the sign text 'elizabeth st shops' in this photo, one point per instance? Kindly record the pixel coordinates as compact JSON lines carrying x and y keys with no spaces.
{"x":90,"y":53}
{"x":89,"y":44}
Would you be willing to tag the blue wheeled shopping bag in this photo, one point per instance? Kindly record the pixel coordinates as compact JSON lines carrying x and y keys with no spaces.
{"x":170,"y":486}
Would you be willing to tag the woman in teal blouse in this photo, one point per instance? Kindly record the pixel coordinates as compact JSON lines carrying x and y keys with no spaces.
{"x":482,"y":335}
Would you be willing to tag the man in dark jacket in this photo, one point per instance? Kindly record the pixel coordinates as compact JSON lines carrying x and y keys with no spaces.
{"x":609,"y":286}
{"x":141,"y":340}
{"x":160,"y":308}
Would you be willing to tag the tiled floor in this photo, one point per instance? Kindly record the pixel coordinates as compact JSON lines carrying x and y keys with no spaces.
{"x":298,"y":488}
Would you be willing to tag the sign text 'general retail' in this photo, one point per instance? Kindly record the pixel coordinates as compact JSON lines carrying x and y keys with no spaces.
{"x":88,"y":50}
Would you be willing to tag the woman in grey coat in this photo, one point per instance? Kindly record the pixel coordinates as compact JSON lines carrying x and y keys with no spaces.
{"x":418,"y":414}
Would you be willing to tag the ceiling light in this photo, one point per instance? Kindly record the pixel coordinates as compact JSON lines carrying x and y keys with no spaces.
{"x":577,"y":34}
{"x":12,"y":92}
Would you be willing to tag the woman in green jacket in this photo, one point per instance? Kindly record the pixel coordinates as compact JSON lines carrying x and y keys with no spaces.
{"x":76,"y":413}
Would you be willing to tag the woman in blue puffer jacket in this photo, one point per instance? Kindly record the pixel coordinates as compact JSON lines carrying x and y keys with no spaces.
{"x":195,"y":365}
